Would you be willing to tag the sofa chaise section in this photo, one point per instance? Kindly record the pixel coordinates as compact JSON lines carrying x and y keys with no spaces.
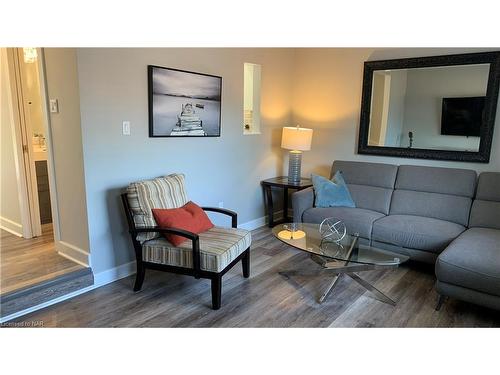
{"x":469,"y":268}
{"x":370,"y":185}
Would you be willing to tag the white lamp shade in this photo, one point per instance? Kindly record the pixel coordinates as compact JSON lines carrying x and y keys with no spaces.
{"x":297,"y":139}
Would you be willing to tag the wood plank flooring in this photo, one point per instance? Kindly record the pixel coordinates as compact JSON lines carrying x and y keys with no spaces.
{"x":267,"y":299}
{"x":26,"y":262}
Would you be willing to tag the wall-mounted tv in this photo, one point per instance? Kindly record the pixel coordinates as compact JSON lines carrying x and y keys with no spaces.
{"x":462,"y":116}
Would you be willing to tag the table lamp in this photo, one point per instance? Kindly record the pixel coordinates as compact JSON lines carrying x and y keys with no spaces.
{"x":295,"y":139}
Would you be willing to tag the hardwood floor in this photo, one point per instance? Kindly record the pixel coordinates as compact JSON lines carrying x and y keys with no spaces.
{"x":26,"y":262}
{"x":267,"y":299}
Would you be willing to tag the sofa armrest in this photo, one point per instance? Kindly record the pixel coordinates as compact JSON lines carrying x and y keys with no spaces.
{"x":301,"y":201}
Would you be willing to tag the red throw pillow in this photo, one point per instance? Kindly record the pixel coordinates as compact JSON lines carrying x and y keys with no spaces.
{"x":190,"y":217}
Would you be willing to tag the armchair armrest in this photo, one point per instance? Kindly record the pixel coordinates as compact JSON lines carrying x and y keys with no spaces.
{"x":176,"y":231}
{"x":234,"y":215}
{"x":179,"y":232}
{"x":301,"y":201}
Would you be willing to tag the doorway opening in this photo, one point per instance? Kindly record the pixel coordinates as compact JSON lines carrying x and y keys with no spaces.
{"x":28,"y":208}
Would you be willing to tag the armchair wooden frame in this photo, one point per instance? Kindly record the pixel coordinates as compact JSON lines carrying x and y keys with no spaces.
{"x":215,"y":277}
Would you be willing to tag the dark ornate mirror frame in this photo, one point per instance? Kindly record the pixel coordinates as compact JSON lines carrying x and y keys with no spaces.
{"x":486,"y":133}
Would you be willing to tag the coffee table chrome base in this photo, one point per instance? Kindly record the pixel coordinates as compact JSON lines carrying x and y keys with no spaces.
{"x":339,"y":269}
{"x":328,"y":290}
{"x":365,"y":284}
{"x":377,"y":293}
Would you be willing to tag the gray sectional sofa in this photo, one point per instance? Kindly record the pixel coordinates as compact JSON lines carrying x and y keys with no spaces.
{"x":434,"y":215}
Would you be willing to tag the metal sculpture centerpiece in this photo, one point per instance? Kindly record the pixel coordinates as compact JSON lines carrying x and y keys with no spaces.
{"x":333,"y":230}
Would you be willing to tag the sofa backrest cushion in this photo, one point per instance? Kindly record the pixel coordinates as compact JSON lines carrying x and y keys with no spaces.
{"x":440,"y":193}
{"x":486,"y":207}
{"x":162,"y":192}
{"x":370,"y":184}
{"x":451,"y":181}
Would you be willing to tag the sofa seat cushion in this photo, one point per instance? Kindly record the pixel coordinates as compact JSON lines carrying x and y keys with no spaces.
{"x":416,"y":232}
{"x":357,"y":220}
{"x":472,"y":261}
{"x":218,"y":248}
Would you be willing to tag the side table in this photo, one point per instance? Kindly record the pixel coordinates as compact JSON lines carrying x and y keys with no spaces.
{"x":282,"y":183}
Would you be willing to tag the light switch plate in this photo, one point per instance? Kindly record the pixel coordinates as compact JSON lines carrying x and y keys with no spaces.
{"x":54,"y":106}
{"x":126,"y":127}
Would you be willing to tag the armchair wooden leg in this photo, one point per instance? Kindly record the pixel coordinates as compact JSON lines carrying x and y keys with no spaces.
{"x":139,"y":277}
{"x":216,"y":292}
{"x":245,"y":262}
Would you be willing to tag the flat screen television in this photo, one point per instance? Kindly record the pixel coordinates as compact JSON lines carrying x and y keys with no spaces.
{"x":462,"y":116}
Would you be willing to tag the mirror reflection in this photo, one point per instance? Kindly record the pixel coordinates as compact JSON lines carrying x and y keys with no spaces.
{"x":438,"y":108}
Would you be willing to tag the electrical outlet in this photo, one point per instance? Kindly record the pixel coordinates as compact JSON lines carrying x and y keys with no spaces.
{"x":54,"y":106}
{"x":126,"y":127}
{"x":221,"y":204}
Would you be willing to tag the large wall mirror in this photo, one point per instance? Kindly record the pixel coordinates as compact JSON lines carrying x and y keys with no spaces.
{"x":440,"y":107}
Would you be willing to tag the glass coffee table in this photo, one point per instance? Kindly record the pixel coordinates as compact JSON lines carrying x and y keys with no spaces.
{"x":345,"y":257}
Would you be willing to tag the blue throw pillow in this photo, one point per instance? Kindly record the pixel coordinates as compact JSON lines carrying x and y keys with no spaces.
{"x":332,"y":193}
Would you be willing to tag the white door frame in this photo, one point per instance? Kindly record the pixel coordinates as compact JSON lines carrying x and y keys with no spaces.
{"x":27,"y":145}
{"x":18,"y":141}
{"x":48,"y":140}
{"x":28,"y":194}
{"x":385,"y":109}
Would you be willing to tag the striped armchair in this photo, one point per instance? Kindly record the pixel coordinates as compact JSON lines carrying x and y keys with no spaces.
{"x":206,"y":255}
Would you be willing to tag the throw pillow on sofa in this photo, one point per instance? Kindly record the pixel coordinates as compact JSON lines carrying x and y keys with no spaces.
{"x":331,"y":193}
{"x":190,"y":217}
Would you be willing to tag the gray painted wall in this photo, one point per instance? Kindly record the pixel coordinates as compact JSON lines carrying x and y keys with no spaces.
{"x":113,"y":88}
{"x":62,"y":84}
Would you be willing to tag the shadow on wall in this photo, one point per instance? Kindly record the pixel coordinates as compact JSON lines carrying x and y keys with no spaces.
{"x":272,"y":127}
{"x":118,"y":227}
{"x":329,"y":142}
{"x":277,"y":150}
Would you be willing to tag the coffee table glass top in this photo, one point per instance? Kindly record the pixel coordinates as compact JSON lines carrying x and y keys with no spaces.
{"x":306,"y":237}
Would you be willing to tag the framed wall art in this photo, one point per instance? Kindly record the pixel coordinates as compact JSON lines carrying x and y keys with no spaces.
{"x":183,"y":104}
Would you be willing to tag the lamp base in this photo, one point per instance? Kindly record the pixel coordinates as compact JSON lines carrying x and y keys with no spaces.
{"x":294,"y":165}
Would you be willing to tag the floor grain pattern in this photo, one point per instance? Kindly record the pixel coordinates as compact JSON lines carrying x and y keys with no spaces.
{"x":267,"y":299}
{"x":26,"y":262}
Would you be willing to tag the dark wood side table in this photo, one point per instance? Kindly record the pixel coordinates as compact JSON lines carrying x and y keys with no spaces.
{"x":282,"y":183}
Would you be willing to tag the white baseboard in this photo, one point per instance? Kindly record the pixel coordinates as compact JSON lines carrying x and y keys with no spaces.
{"x":11,"y":226}
{"x":254,"y":224}
{"x":259,"y":222}
{"x":114,"y":274}
{"x":108,"y":276}
{"x":73,"y":253}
